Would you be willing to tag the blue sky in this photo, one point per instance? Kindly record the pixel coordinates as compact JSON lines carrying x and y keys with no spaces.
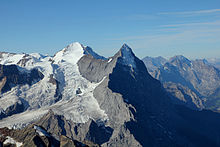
{"x":150,"y":27}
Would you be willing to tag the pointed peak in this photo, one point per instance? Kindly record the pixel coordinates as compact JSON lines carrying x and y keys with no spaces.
{"x":125,"y":47}
{"x":126,"y":50}
{"x":127,"y":56}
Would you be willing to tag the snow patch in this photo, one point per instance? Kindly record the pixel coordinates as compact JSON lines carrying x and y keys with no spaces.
{"x":109,"y":60}
{"x":10,"y":140}
{"x":165,"y":68}
{"x":41,"y":131}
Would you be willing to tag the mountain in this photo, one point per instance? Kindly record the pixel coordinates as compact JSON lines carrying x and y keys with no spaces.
{"x":201,"y":77}
{"x":153,"y":63}
{"x":86,"y":99}
{"x":215,"y":62}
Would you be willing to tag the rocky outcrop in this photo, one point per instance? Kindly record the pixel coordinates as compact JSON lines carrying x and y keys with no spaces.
{"x":36,"y":136}
{"x":16,"y":108}
{"x":66,"y":142}
{"x":58,"y":94}
{"x":28,"y":137}
{"x":10,"y":77}
{"x":88,"y":133}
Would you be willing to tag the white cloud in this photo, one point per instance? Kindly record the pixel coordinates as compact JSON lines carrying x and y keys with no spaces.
{"x":193,"y":24}
{"x":210,"y":11}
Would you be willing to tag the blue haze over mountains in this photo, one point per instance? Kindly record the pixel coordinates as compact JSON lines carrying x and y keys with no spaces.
{"x":196,"y":80}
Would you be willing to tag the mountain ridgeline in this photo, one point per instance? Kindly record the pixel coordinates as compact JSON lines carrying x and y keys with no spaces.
{"x":199,"y":79}
{"x":79,"y":98}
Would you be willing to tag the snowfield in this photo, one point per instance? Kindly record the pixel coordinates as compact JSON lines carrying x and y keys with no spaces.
{"x":79,"y":107}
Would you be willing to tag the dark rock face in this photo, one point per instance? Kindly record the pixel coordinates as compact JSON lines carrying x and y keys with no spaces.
{"x":10,"y":76}
{"x":58,"y":94}
{"x":140,"y":111}
{"x":200,"y":127}
{"x":14,"y":109}
{"x":24,"y":60}
{"x":98,"y":134}
{"x":129,"y":97}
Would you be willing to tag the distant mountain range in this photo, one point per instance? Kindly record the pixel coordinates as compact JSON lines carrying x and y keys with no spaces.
{"x":200,"y":76}
{"x":79,"y":98}
{"x":153,"y":63}
{"x":215,"y":62}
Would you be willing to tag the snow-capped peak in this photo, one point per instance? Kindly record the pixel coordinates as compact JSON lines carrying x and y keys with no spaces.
{"x":73,"y":52}
{"x":74,"y":46}
{"x":127,"y":56}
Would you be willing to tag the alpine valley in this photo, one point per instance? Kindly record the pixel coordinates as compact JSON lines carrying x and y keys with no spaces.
{"x":79,"y":98}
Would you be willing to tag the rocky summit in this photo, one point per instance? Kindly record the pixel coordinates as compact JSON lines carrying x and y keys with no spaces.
{"x":79,"y":98}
